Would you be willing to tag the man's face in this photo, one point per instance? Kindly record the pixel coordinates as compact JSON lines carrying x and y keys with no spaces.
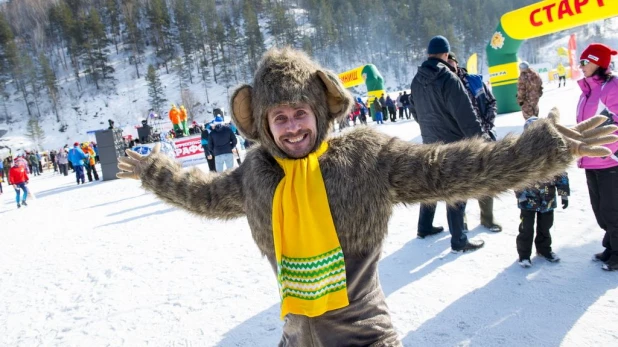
{"x":453,"y":63}
{"x":294,"y":128}
{"x":588,"y":67}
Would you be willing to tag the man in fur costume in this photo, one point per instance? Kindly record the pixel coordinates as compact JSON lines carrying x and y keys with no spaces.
{"x":296,"y":184}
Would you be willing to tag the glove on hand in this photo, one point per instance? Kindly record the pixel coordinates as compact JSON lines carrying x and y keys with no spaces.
{"x":565,"y":203}
{"x":585,"y":138}
{"x":133,"y":165}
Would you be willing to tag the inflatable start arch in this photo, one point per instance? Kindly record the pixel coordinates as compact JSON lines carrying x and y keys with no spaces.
{"x":535,"y":20}
{"x":367,"y":74}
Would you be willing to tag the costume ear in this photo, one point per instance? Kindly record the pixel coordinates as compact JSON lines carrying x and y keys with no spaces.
{"x":338,"y":98}
{"x":242,"y":111}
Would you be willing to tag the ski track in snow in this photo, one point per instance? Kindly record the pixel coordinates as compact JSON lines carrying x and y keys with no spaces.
{"x":107,"y":264}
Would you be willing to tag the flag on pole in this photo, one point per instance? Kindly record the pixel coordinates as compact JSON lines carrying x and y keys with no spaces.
{"x":573,"y":57}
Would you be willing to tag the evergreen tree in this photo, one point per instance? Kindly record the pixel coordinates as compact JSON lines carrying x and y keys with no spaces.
{"x":185,"y":35}
{"x":35,"y":132}
{"x":32,"y":80}
{"x":134,"y":40}
{"x":254,"y":40}
{"x":205,"y":76}
{"x":180,"y":69}
{"x":51,"y":84}
{"x":16,"y":64}
{"x":281,"y":26}
{"x":112,"y":11}
{"x":96,"y":49}
{"x":155,"y":90}
{"x":160,"y":28}
{"x":64,"y":20}
{"x":4,"y":98}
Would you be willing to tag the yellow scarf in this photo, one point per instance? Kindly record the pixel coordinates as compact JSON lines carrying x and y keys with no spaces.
{"x":310,"y":264}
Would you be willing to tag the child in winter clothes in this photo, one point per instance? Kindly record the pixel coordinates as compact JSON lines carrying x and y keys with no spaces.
{"x":18,"y":178}
{"x":362,"y":110}
{"x":539,"y":201}
{"x":377,"y":106}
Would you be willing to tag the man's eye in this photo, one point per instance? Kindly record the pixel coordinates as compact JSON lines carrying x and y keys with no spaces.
{"x":300,"y":113}
{"x":280,"y":119}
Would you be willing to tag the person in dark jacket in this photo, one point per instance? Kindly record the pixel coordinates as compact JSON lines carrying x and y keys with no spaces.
{"x":390,"y":105}
{"x":539,"y":201}
{"x":222,"y":143}
{"x":445,"y":114}
{"x":33,"y":162}
{"x":207,"y":153}
{"x":384,"y":107}
{"x":405,"y":102}
{"x":485,"y":107}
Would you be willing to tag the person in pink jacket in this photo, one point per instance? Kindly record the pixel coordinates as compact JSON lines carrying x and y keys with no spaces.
{"x":600,"y":96}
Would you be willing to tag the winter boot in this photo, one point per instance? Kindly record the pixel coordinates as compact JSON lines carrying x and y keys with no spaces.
{"x":493,"y":227}
{"x":434,"y":231}
{"x":603,"y":256}
{"x":611,"y":264}
{"x":525,"y":263}
{"x":469,"y":246}
{"x":18,"y":205}
{"x":551,"y":256}
{"x":24,"y":203}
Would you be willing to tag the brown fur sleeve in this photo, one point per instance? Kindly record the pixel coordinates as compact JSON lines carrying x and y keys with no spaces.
{"x":210,"y":195}
{"x":473,"y":168}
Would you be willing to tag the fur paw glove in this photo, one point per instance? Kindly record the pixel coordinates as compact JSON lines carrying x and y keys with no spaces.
{"x":585,"y":139}
{"x":133,"y":165}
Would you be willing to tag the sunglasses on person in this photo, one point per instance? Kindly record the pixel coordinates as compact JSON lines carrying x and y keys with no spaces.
{"x":584,"y":62}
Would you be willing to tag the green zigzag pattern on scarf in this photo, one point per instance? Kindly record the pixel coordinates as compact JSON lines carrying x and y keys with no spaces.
{"x":312,"y":278}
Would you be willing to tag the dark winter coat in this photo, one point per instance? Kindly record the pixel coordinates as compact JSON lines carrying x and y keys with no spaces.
{"x":33,"y":160}
{"x":389,"y":102}
{"x":405,"y":100}
{"x":541,"y":197}
{"x":383,"y":103}
{"x":221,"y":140}
{"x":440,"y":104}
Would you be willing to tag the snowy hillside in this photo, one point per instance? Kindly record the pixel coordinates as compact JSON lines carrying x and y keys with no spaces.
{"x":89,"y":110}
{"x":107,"y":264}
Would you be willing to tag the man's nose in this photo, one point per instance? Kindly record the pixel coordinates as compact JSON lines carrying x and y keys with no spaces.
{"x":293,"y":125}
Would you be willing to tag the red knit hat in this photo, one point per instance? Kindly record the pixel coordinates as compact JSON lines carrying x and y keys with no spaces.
{"x":599,"y":54}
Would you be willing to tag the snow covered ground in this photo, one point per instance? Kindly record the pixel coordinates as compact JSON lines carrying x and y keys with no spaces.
{"x":107,"y":264}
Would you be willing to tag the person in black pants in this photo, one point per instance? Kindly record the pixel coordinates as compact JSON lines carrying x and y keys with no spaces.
{"x":207,"y":153}
{"x":539,"y":201}
{"x":599,"y":89}
{"x":446,"y":121}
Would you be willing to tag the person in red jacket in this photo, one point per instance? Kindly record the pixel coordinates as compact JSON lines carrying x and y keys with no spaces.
{"x":18,"y":178}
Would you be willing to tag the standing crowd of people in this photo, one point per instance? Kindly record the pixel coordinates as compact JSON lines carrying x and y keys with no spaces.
{"x":82,"y":156}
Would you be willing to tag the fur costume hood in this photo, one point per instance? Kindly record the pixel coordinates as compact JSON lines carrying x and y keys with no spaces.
{"x":287,"y":77}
